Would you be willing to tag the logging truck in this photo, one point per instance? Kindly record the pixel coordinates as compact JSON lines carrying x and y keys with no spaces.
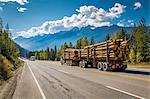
{"x":108,"y":55}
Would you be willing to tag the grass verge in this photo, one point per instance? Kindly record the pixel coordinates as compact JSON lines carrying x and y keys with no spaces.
{"x":144,"y":65}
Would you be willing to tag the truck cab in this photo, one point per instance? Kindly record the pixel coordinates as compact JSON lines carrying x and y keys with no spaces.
{"x":32,"y":58}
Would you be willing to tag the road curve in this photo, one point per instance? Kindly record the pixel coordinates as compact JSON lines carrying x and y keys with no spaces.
{"x":50,"y":80}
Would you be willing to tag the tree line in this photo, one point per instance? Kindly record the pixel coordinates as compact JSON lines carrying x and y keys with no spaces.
{"x":9,"y":53}
{"x":55,"y":54}
{"x":138,"y":41}
{"x":140,"y":44}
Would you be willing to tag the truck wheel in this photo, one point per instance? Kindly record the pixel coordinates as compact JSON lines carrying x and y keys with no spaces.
{"x":70,"y":63}
{"x":99,"y":66}
{"x":105,"y":67}
{"x":80,"y":64}
{"x":84,"y":64}
{"x":67,"y":62}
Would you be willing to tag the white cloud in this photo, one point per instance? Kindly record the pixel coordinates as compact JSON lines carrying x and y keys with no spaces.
{"x":116,"y":10}
{"x":121,"y":24}
{"x":22,"y":9}
{"x":1,"y":9}
{"x":21,"y":2}
{"x":137,"y":5}
{"x":127,"y":23}
{"x":86,"y":16}
{"x":130,"y":21}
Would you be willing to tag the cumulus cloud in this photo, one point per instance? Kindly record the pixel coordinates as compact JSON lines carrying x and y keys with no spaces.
{"x":116,"y":10}
{"x":21,"y":9}
{"x":21,"y":2}
{"x":127,"y":23}
{"x":86,"y":16}
{"x":137,"y":5}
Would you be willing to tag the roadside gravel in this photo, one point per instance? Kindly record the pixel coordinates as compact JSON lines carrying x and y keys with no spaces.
{"x":7,"y":88}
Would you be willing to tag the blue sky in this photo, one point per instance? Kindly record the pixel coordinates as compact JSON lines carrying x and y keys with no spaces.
{"x":48,"y":15}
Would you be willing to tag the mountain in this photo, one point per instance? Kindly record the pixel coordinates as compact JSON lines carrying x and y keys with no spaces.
{"x":50,"y":40}
{"x":22,"y":51}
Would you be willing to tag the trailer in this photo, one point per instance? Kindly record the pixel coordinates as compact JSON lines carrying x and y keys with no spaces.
{"x":108,"y":55}
{"x":70,"y":57}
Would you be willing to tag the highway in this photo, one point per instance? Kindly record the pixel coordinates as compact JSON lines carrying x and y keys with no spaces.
{"x":50,"y":80}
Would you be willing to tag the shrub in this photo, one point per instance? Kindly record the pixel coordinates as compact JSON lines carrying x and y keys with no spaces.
{"x":5,"y":68}
{"x":132,"y":56}
{"x":139,"y":57}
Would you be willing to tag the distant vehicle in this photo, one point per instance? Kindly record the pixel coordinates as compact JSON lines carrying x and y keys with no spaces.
{"x":32,"y":58}
{"x":108,"y":55}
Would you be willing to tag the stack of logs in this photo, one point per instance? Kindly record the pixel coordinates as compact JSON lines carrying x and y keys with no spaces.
{"x":71,"y":54}
{"x":115,"y":50}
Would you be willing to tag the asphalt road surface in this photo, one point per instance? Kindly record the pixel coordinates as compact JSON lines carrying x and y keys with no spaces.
{"x":50,"y":80}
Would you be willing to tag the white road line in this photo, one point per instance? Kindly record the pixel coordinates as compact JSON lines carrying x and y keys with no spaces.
{"x":43,"y":96}
{"x":63,"y":71}
{"x":139,"y":97}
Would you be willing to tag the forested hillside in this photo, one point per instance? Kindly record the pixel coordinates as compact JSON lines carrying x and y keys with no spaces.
{"x":9,"y":53}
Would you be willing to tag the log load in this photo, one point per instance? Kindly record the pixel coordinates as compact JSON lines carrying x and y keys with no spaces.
{"x":114,"y":50}
{"x":71,"y":54}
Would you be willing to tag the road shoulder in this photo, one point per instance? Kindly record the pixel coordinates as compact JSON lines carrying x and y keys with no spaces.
{"x":26,"y":86}
{"x":8,"y":87}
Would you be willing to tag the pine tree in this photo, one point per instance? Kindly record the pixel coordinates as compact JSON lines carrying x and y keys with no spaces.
{"x":121,"y":34}
{"x":7,"y":30}
{"x":70,"y":45}
{"x":1,"y":24}
{"x":92,"y":41}
{"x":78,"y":44}
{"x":107,"y":37}
{"x":48,"y":53}
{"x":139,"y":57}
{"x":52,"y":54}
{"x":132,"y":55}
{"x":55,"y":51}
{"x":84,"y":42}
{"x":141,"y":44}
{"x":65,"y":46}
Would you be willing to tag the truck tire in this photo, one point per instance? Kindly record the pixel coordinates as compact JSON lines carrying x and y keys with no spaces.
{"x":84,"y":64}
{"x":105,"y":66}
{"x":80,"y":64}
{"x":99,"y":66}
{"x":70,"y":63}
{"x":67,"y":62}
